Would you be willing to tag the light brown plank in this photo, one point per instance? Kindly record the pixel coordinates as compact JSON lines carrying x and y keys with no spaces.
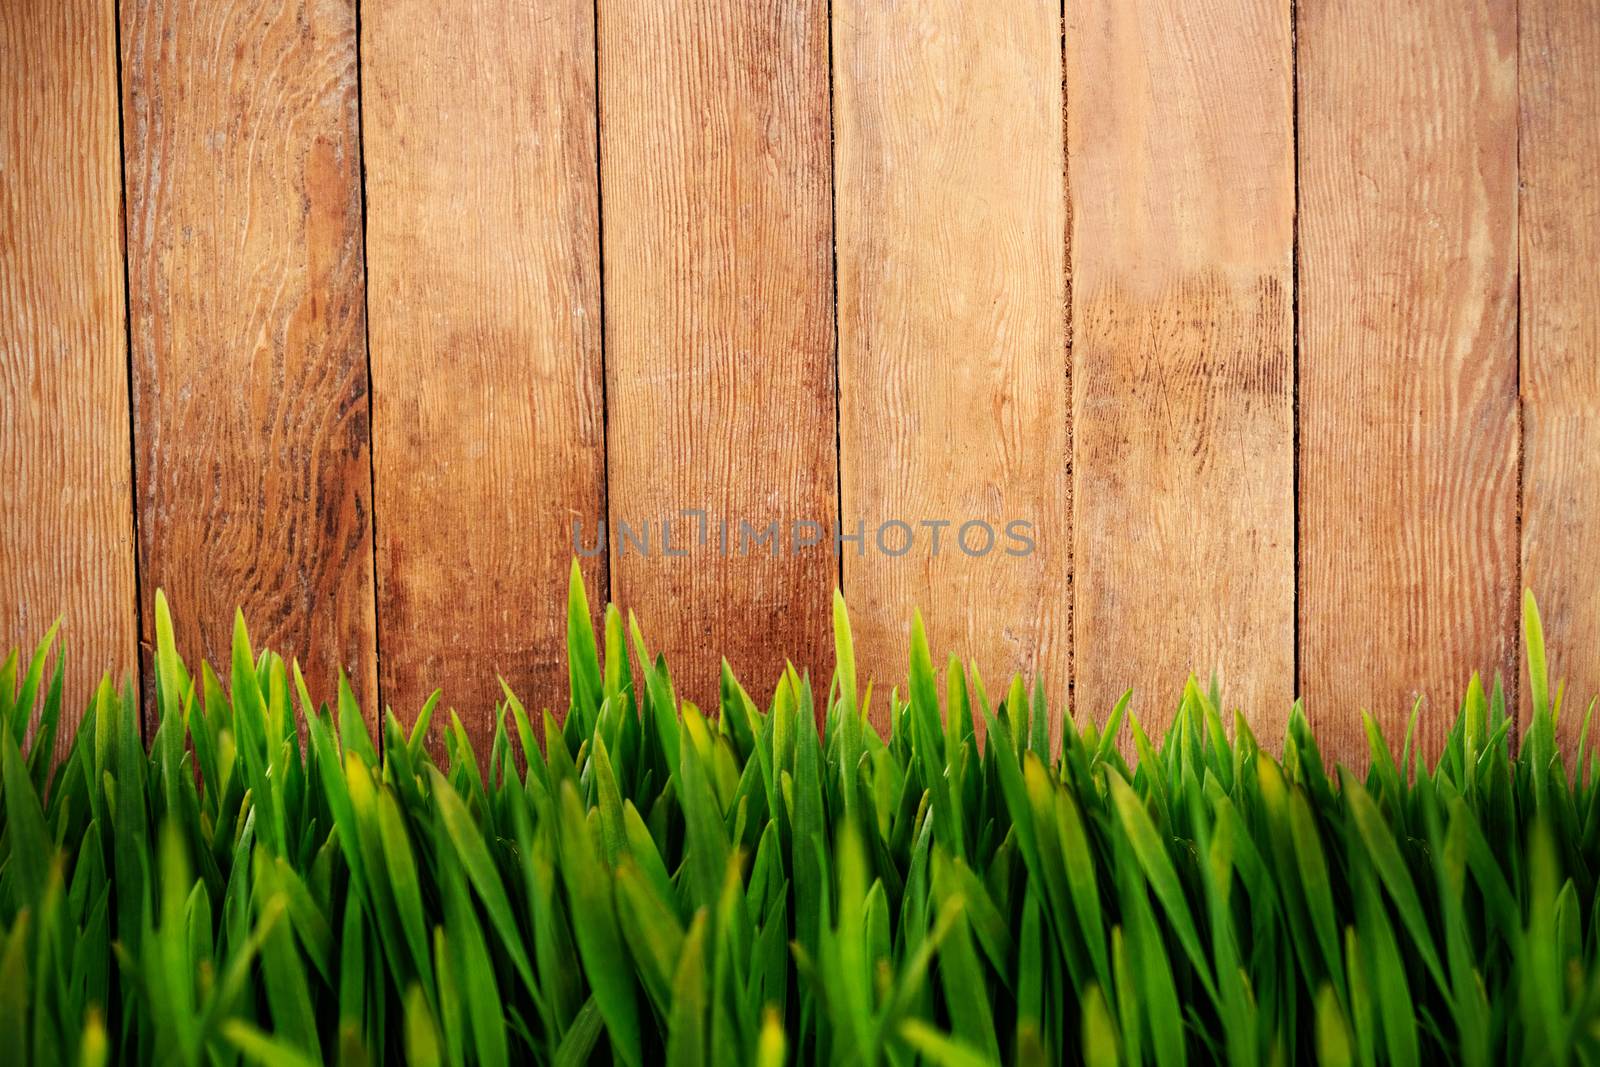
{"x":1559,"y":230}
{"x":719,"y":326}
{"x":485,"y":320}
{"x":66,"y":532}
{"x":1408,"y":363}
{"x":245,"y":275}
{"x":952,"y":349}
{"x":1182,"y":202}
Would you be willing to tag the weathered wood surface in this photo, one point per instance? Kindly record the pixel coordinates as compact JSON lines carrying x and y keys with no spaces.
{"x":1226,"y":299}
{"x":714,"y":178}
{"x":484,"y":303}
{"x":953,"y":378}
{"x":1180,"y":120}
{"x":1559,"y":232}
{"x":248,"y":336}
{"x":66,"y":530}
{"x":1408,"y":360}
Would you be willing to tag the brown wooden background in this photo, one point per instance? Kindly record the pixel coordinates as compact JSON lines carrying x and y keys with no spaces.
{"x":1280,"y":320}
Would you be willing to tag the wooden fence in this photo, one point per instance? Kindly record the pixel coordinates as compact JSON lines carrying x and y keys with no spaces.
{"x":1279,"y":322}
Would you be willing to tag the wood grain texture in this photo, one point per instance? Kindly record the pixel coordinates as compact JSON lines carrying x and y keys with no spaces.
{"x":1408,"y":361}
{"x":245,"y":285}
{"x":1182,"y":202}
{"x":953,"y":378}
{"x":485,"y":320}
{"x":66,"y":532}
{"x":719,"y":324}
{"x":1559,"y":232}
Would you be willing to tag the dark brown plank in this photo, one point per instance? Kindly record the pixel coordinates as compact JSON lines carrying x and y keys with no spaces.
{"x":485,"y":318}
{"x":249,"y":355}
{"x":719,"y":325}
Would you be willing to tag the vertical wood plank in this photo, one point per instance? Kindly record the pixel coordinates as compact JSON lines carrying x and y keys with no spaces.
{"x":1559,"y":231}
{"x":1180,"y":138}
{"x":66,"y":532}
{"x":719,"y":327}
{"x":485,"y":321}
{"x":1408,"y":362}
{"x":245,"y":283}
{"x":953,"y":380}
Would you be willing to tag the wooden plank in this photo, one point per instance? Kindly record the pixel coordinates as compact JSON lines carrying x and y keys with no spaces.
{"x":485,"y":319}
{"x":952,"y":349}
{"x":1560,"y":324}
{"x":66,"y":533}
{"x":1408,"y":361}
{"x":249,"y":362}
{"x":719,"y":328}
{"x":1182,"y":201}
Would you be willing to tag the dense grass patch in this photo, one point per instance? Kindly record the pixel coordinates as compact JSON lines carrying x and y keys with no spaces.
{"x":662,"y":885}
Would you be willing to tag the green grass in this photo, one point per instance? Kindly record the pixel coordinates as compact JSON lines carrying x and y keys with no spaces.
{"x":261,"y":885}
